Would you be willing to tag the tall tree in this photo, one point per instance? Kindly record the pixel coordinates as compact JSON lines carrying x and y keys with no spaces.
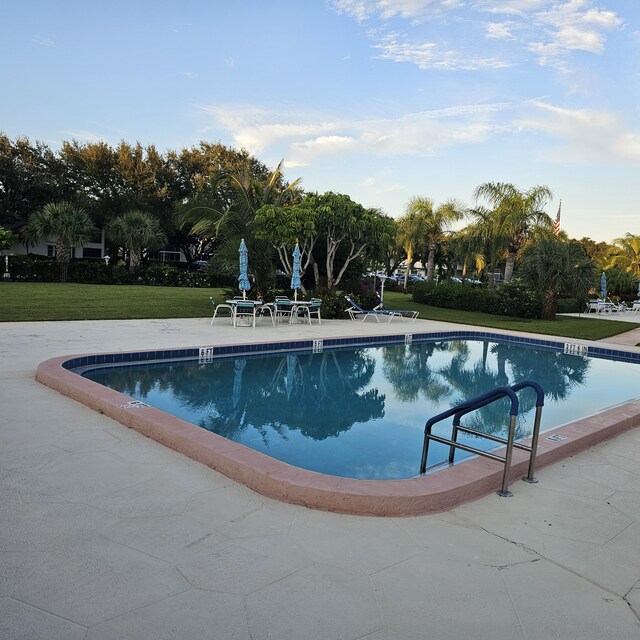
{"x":413,"y":227}
{"x":346,"y":231}
{"x":228,"y":213}
{"x":70,"y":225}
{"x":136,"y":231}
{"x":625,"y":254}
{"x":283,"y":227}
{"x":438,"y":223}
{"x":30,"y":177}
{"x":514,"y":214}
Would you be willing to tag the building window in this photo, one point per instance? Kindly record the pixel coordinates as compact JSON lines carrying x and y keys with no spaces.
{"x":51,"y":250}
{"x":91,"y":252}
{"x":169,"y":256}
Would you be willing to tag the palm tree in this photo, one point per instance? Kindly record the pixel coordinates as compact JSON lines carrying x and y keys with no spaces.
{"x":515,"y":213}
{"x":437,"y":223}
{"x":70,"y":225}
{"x":553,"y":267}
{"x":467,"y":250}
{"x":136,"y":231}
{"x":413,"y":228}
{"x":626,"y":254}
{"x":229,"y":212}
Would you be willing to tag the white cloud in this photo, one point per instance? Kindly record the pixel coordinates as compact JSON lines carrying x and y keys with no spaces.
{"x":84,"y":136}
{"x":551,"y":29}
{"x":429,"y":55}
{"x":499,"y":31}
{"x":589,"y":135}
{"x":303,"y":137}
{"x":363,"y":10}
{"x":44,"y":42}
{"x":570,"y":26}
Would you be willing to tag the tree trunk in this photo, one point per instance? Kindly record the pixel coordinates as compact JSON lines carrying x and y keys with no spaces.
{"x":135,"y":256}
{"x":63,"y":256}
{"x":549,"y":305}
{"x":409,"y":266}
{"x":508,"y":269}
{"x":431,"y":262}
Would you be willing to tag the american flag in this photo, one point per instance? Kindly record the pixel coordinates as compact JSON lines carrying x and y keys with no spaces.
{"x":556,"y":222}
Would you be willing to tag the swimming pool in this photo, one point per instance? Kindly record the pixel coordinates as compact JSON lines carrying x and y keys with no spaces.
{"x":400,"y":368}
{"x":359,"y":412}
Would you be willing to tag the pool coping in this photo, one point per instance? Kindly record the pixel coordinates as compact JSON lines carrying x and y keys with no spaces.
{"x":432,"y":493}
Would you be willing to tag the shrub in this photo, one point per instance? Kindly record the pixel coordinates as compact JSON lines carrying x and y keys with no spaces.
{"x":364,"y":294}
{"x":41,"y":269}
{"x":510,"y":299}
{"x":333,"y":303}
{"x":34,"y":269}
{"x":571,"y":305}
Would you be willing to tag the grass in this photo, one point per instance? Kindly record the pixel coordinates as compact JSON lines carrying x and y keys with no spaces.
{"x":568,"y":326}
{"x":32,"y":301}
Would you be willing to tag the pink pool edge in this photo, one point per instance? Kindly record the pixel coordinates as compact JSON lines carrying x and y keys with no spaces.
{"x":433,"y":493}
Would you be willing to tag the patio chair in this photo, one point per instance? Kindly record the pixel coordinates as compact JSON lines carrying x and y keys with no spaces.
{"x":299,"y":311}
{"x":618,"y":307}
{"x":219,"y":307}
{"x":314,"y":309}
{"x":266,"y":307}
{"x":283,"y":308}
{"x":245,"y":309}
{"x":356,"y":312}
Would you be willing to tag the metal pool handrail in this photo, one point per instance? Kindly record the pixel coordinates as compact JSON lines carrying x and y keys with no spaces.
{"x":477,"y":403}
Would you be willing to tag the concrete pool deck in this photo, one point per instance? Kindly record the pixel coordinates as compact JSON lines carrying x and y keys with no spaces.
{"x":107,"y":534}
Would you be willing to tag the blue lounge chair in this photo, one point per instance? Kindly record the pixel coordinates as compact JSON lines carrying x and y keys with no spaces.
{"x":356,"y":312}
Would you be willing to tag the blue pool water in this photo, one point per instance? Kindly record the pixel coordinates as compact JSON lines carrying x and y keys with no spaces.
{"x":360,"y":411}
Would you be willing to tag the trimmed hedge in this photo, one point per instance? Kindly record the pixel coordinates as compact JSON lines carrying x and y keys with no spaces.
{"x":33,"y":269}
{"x":509,"y":299}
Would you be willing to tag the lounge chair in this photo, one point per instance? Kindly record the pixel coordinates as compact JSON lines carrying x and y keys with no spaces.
{"x":356,"y":312}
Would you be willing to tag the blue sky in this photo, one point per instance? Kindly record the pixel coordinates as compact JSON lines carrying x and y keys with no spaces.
{"x":380,"y":99}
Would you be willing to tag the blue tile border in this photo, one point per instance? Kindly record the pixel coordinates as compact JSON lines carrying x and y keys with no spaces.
{"x":222,"y":351}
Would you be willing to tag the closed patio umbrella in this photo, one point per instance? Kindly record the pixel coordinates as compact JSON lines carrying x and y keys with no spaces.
{"x":603,"y":285}
{"x":295,"y":272}
{"x":243,"y":279}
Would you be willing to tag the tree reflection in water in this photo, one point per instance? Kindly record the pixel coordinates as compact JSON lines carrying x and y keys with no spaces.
{"x":318,"y":394}
{"x":557,"y":372}
{"x":290,"y":400}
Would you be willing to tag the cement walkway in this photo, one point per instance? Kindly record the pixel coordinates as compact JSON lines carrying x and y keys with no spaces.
{"x":107,"y":535}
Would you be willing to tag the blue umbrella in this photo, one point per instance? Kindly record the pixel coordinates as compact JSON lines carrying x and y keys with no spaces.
{"x":295,"y":272}
{"x":603,"y":285}
{"x":243,"y":279}
{"x":639,"y":290}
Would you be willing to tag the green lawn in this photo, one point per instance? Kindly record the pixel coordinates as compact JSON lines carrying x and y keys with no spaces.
{"x":22,"y":301}
{"x":584,"y":328}
{"x":31,"y":301}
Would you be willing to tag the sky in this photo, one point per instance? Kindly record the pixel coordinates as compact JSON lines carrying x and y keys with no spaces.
{"x":383,"y":100}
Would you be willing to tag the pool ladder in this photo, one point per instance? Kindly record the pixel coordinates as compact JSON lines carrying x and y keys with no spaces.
{"x":477,"y":403}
